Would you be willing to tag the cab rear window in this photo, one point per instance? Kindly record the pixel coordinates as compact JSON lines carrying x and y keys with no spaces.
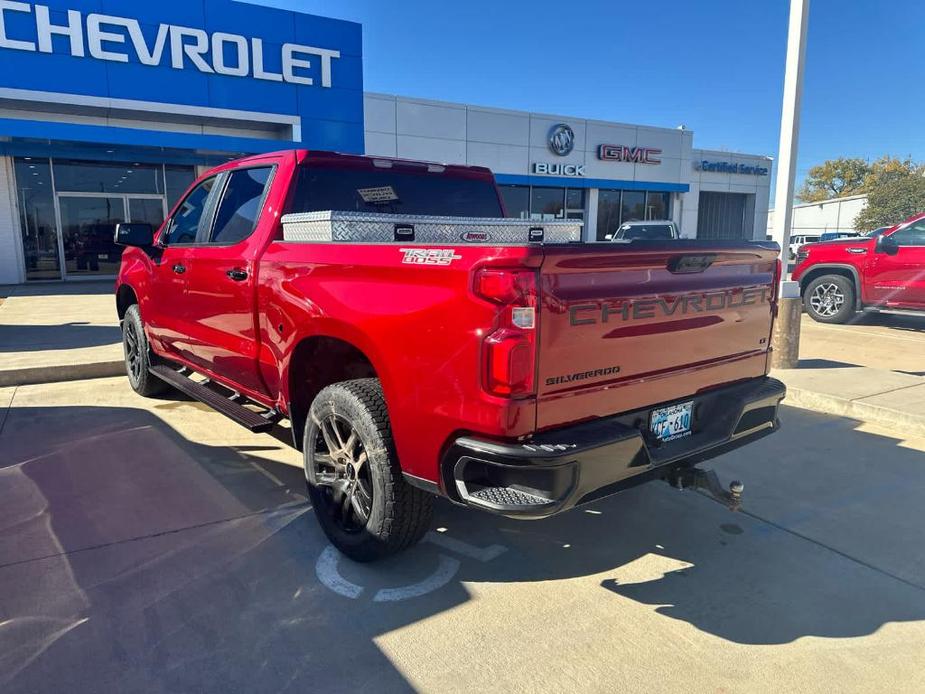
{"x":393,"y":191}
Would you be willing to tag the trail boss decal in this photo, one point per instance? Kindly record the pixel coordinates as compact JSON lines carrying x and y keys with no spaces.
{"x":638,"y":309}
{"x":428,"y":256}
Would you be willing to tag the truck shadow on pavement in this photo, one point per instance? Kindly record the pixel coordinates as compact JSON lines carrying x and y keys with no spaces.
{"x":34,"y":338}
{"x":133,"y":559}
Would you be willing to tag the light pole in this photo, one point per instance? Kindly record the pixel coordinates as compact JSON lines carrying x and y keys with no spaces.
{"x":786,"y":341}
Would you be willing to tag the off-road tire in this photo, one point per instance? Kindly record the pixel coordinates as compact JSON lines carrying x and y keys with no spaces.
{"x":138,"y":357}
{"x":400,"y":514}
{"x":843,"y":287}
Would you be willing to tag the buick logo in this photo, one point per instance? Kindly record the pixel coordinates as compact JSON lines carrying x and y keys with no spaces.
{"x":561,"y":139}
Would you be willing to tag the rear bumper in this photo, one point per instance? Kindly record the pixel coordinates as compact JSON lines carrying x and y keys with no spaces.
{"x":562,"y":468}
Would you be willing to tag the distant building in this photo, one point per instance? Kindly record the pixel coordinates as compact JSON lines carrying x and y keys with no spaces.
{"x":829,"y":215}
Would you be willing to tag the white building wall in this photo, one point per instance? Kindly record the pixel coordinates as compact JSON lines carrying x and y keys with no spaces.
{"x":829,"y":215}
{"x":510,"y":142}
{"x":11,"y":261}
{"x":721,"y":182}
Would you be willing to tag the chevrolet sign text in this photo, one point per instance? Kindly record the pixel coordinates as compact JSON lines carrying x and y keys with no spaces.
{"x":108,"y":37}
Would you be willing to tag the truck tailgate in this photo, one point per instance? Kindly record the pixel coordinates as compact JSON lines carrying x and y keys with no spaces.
{"x":627,"y":326}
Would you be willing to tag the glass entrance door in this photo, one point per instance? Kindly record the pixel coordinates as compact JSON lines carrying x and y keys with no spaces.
{"x":88,"y":224}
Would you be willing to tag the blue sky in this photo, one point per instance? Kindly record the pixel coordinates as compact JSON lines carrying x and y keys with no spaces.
{"x":714,"y":65}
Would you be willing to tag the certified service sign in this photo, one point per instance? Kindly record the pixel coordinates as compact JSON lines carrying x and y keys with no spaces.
{"x":561,"y":139}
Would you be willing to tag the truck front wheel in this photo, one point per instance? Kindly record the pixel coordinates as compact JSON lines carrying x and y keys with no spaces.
{"x":829,"y":299}
{"x":138,"y":355}
{"x":361,"y":500}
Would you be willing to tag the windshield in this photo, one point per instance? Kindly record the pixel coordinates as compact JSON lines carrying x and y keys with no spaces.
{"x":393,"y":191}
{"x":646,"y":232}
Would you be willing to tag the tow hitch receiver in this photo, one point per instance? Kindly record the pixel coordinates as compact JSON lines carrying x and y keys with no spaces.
{"x":707,"y":482}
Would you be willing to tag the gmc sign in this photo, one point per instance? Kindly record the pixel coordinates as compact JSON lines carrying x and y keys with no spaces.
{"x":636,"y":155}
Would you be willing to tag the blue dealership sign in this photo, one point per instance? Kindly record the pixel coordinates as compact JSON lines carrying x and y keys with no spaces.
{"x":231,"y":67}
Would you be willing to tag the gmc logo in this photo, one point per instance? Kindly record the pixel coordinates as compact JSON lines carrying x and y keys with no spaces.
{"x":606,"y":311}
{"x":636,"y":155}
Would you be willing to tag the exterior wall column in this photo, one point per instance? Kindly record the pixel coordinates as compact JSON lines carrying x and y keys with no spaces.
{"x":589,"y":232}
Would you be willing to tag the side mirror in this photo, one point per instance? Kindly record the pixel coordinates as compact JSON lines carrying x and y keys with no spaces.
{"x":886,"y":244}
{"x":134,"y":234}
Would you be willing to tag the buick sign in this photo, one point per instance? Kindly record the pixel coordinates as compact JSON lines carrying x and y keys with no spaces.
{"x":561,"y":139}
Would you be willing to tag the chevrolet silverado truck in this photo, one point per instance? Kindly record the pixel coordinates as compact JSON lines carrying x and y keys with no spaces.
{"x":882,"y":273}
{"x":421,"y":344}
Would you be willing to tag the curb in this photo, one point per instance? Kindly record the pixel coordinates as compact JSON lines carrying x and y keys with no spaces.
{"x":887,"y":417}
{"x":64,"y":372}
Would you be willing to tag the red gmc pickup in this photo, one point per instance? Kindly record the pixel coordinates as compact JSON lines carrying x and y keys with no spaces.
{"x":883,"y":273}
{"x":422,"y":345}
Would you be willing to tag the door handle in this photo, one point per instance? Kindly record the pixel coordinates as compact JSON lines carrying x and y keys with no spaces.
{"x":237,"y":274}
{"x":179,"y":269}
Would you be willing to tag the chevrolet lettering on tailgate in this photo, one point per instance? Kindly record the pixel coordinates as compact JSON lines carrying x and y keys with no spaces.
{"x":637,"y":309}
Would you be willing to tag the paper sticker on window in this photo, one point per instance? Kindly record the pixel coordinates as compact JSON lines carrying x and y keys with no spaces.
{"x":378,"y":195}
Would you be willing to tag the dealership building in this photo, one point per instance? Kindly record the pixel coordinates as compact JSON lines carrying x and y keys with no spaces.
{"x":109,"y":110}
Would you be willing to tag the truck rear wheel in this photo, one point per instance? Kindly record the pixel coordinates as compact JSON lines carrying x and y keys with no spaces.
{"x":138,"y":355}
{"x":829,"y":299}
{"x":361,"y":500}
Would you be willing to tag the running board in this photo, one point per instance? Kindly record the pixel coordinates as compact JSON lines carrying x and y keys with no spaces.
{"x":256,"y":422}
{"x":897,"y":312}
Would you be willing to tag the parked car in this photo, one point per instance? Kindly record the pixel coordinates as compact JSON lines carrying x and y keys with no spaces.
{"x":884,"y":273}
{"x":653,"y":230}
{"x":833,"y":235}
{"x":388,"y":311}
{"x":873,"y":233}
{"x":798,"y":240}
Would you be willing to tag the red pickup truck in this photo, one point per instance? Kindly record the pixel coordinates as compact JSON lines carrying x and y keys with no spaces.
{"x":421,"y":344}
{"x":883,"y":273}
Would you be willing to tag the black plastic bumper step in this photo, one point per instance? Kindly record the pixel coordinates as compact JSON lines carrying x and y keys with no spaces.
{"x":507,"y":497}
{"x":254,"y":421}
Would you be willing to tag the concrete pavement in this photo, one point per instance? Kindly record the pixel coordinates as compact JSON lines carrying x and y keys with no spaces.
{"x":152,"y":545}
{"x":872,"y":370}
{"x":59,"y":332}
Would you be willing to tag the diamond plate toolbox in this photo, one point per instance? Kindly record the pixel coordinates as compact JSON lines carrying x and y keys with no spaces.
{"x":371,"y":227}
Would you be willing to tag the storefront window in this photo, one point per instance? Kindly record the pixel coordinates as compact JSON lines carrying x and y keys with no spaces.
{"x":516,"y":201}
{"x":37,"y":218}
{"x":108,"y":177}
{"x":657,"y":205}
{"x":575,"y":204}
{"x":88,"y":198}
{"x":179,"y":179}
{"x":608,"y":213}
{"x":614,"y":207}
{"x":547,"y":203}
{"x":634,"y":205}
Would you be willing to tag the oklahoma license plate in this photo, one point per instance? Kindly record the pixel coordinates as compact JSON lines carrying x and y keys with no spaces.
{"x":674,"y":422}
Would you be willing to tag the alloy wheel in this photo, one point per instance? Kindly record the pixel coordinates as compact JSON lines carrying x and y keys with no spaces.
{"x":827,"y":299}
{"x":133,"y":353}
{"x":340,"y":468}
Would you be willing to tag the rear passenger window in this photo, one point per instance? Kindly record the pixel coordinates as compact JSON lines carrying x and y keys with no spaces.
{"x":240,"y":207}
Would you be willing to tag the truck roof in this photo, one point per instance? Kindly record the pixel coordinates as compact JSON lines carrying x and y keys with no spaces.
{"x":359,"y":160}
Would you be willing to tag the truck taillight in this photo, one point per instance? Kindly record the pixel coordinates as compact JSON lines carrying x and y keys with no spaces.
{"x":509,"y":351}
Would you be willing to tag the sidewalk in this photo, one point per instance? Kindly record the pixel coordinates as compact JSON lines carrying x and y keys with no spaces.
{"x":58,"y":332}
{"x":889,"y":398}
